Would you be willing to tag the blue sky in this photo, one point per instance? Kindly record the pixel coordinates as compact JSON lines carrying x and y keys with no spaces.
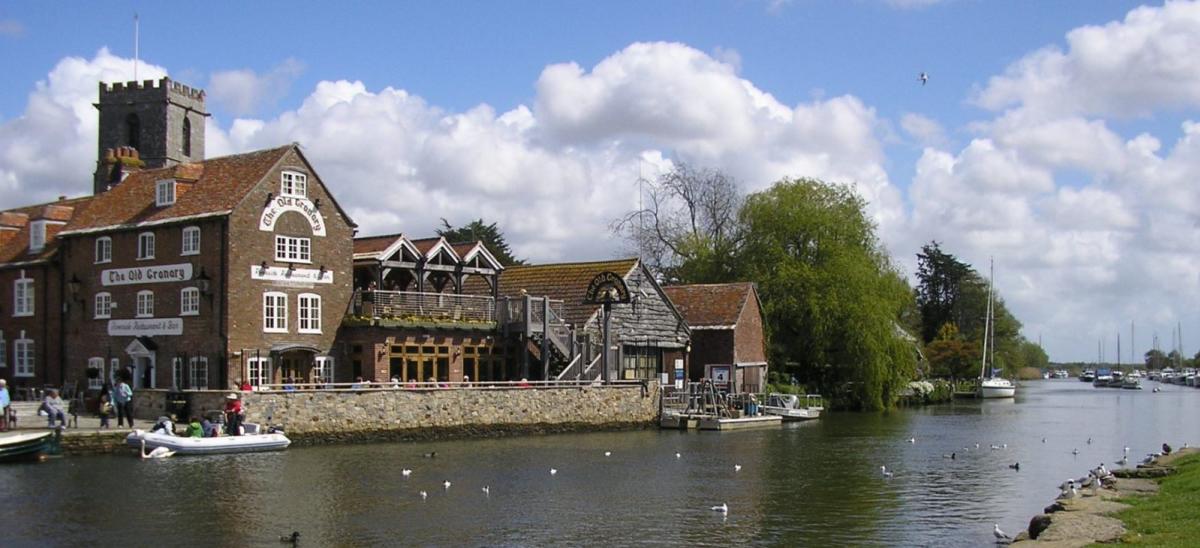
{"x":1054,"y":136}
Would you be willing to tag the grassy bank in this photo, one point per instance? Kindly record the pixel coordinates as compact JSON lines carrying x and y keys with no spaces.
{"x":1171,"y":517}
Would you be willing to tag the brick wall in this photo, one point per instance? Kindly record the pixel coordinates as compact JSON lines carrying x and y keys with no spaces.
{"x":43,"y":327}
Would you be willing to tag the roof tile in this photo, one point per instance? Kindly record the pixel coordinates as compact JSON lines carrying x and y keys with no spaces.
{"x":705,"y":305}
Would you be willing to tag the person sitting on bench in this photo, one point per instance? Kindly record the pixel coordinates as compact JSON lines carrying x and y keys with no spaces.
{"x":53,"y":406}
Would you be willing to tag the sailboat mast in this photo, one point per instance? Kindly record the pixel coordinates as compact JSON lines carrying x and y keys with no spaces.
{"x":987,"y":325}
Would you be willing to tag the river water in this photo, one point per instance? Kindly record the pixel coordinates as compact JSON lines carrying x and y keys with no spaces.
{"x":814,"y":483}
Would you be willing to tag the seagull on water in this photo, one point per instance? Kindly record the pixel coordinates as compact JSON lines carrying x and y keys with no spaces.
{"x":923,"y":77}
{"x":1000,"y":535}
{"x":737,"y":468}
{"x":406,"y":472}
{"x":608,"y":453}
{"x":912,"y":440}
{"x":446,"y":484}
{"x":487,"y":490}
{"x":1043,"y":440}
{"x":994,"y":447}
{"x":950,"y":456}
{"x":677,"y":455}
{"x":884,"y":472}
{"x":723,"y":508}
{"x":1089,"y":441}
{"x":553,"y":471}
{"x":424,"y":495}
{"x":1074,"y":451}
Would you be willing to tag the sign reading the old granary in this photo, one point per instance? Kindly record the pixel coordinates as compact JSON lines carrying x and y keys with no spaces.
{"x":283,"y":204}
{"x":147,"y":274}
{"x":302,"y":275}
{"x":607,"y":288}
{"x":148,"y":327}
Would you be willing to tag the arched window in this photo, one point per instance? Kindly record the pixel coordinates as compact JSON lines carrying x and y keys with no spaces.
{"x":133,"y":131}
{"x":187,"y":137}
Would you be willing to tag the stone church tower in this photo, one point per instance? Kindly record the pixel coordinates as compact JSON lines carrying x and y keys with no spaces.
{"x":147,"y":124}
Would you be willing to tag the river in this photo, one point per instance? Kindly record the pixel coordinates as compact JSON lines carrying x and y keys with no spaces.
{"x":804,"y":484}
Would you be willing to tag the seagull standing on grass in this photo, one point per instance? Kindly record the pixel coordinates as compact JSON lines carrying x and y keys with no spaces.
{"x":1000,"y":535}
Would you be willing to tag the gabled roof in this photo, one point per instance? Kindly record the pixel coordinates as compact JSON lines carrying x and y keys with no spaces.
{"x":377,"y":247}
{"x":469,"y":250}
{"x":15,"y":225}
{"x":565,"y":281}
{"x":220,"y":184}
{"x":711,"y":306}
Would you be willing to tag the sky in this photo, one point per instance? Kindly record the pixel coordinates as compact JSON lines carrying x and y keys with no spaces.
{"x":1061,"y":139}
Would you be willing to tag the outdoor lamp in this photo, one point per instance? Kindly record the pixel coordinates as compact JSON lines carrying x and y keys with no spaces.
{"x":203,"y":283}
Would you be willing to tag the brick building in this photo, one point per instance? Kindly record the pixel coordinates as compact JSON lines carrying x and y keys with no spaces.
{"x":727,"y":332}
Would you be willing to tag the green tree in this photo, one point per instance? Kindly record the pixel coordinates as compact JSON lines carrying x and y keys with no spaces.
{"x":478,"y":231}
{"x":940,"y":278}
{"x":1155,"y":359}
{"x":951,"y":356}
{"x":832,"y":297}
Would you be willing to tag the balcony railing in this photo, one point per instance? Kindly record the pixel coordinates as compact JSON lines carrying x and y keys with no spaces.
{"x":411,"y":305}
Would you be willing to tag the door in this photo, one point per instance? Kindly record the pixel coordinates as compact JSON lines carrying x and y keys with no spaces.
{"x":143,"y":372}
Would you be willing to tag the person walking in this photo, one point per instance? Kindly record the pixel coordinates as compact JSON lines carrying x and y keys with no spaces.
{"x":123,"y":400}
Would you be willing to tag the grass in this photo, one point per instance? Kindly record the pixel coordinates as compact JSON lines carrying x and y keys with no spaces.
{"x":1171,"y":517}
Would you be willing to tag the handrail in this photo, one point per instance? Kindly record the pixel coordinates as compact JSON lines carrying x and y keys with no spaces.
{"x":576,"y":360}
{"x":367,"y":386}
{"x":443,"y":306}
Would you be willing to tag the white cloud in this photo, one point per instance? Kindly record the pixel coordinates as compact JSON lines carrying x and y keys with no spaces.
{"x":913,"y":4}
{"x":926,"y":131}
{"x":244,"y":91}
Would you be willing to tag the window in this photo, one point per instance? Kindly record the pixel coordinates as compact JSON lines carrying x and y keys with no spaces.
{"x":23,"y":296}
{"x":145,"y":304}
{"x":3,"y":351}
{"x":145,"y":245}
{"x":259,"y":371}
{"x":177,"y":374}
{"x":198,"y":373}
{"x":189,"y":301}
{"x":103,"y":249}
{"x":294,"y":184}
{"x":640,"y":362}
{"x":293,"y":250}
{"x":23,"y":357}
{"x":323,"y":369}
{"x":187,"y":137}
{"x":275,"y":312}
{"x":95,"y":373}
{"x":133,"y":131}
{"x":309,"y":313}
{"x":37,"y":236}
{"x":103,"y":306}
{"x":164,"y":194}
{"x":191,"y":241}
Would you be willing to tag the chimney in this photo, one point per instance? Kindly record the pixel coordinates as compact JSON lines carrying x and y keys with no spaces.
{"x":117,"y":164}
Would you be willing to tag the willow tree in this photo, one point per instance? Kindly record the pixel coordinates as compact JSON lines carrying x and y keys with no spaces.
{"x":832,"y":297}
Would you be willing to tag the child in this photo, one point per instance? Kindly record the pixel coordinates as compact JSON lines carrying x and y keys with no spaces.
{"x":106,"y":410}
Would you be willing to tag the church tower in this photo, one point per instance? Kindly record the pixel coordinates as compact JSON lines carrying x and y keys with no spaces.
{"x":147,"y":124}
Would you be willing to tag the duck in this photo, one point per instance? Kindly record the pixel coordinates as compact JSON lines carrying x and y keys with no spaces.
{"x":293,"y":538}
{"x":157,"y":453}
{"x":430,"y":455}
{"x":1015,"y":466}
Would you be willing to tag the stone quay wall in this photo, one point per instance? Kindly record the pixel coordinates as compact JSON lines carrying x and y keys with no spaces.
{"x":377,"y":414}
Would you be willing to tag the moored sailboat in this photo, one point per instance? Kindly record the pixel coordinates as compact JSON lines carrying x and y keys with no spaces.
{"x":991,"y":386}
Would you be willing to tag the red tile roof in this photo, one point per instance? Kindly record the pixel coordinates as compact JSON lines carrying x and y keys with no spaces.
{"x":566,"y":281}
{"x":221,"y":183}
{"x":14,"y":247}
{"x":375,"y":244}
{"x":709,"y":305}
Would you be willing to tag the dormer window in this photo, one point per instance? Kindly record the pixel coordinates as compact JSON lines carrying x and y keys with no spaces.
{"x":37,"y":236}
{"x":294,"y":184}
{"x":165,"y":193}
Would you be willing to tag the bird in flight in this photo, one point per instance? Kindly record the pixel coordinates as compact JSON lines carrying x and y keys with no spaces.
{"x":923,"y":77}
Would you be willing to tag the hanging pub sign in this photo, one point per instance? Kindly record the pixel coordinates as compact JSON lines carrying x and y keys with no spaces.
{"x":283,"y":204}
{"x":607,"y":288}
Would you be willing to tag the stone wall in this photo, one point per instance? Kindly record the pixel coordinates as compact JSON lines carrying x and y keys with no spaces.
{"x":320,"y":416}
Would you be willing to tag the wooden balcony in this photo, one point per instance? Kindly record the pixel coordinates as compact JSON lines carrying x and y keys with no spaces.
{"x":414,"y":309}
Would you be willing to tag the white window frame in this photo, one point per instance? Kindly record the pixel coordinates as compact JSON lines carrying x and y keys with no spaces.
{"x":191,"y":241}
{"x":308,"y":318}
{"x":196,"y":366}
{"x":258,"y":371}
{"x":98,"y":382}
{"x":145,"y":248}
{"x":164,"y":192}
{"x":275,"y":312}
{"x":145,"y":304}
{"x":102,"y":306}
{"x":103,"y":250}
{"x":292,"y":249}
{"x":189,"y":301}
{"x":323,"y":369}
{"x":23,"y":357}
{"x":37,"y":235}
{"x":177,"y":374}
{"x":23,"y":296}
{"x":293,"y":183}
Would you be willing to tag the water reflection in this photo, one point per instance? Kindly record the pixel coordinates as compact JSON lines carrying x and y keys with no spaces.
{"x":812,"y":484}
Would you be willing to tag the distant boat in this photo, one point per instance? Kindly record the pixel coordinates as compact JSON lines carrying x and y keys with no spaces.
{"x":1087,"y":376}
{"x":991,"y":386}
{"x":788,"y":406}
